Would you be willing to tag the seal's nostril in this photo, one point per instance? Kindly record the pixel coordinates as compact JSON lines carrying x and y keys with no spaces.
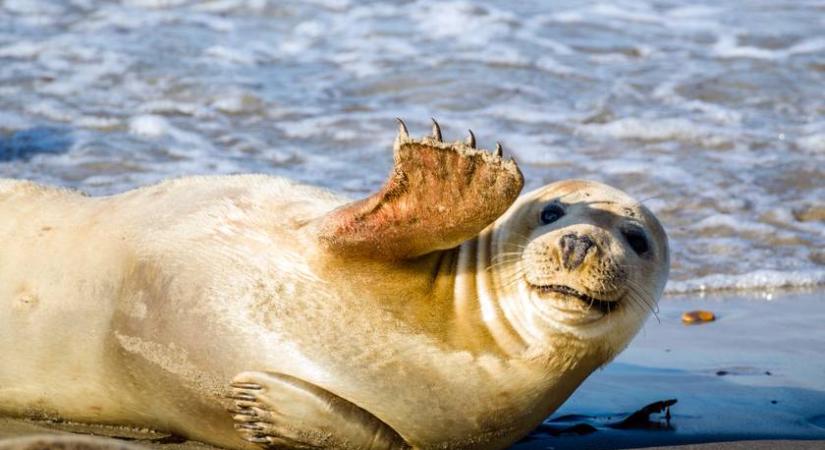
{"x":574,"y":248}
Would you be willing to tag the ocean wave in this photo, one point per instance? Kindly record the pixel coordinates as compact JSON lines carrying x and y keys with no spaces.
{"x":758,"y":279}
{"x":685,"y":105}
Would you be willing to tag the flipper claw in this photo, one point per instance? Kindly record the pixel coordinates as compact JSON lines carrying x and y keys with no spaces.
{"x":251,"y":426}
{"x":438,"y":195}
{"x":471,"y":139}
{"x":241,"y":396}
{"x":403,"y":133}
{"x":436,"y":131}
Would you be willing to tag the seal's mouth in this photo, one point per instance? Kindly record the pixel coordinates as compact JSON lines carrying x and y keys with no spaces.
{"x":605,"y":306}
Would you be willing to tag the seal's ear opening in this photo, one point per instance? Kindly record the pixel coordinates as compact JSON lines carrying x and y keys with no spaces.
{"x":437,"y":196}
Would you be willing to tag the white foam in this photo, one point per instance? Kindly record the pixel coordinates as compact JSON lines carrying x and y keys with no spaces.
{"x":166,"y":106}
{"x":97,"y":122}
{"x":356,"y":64}
{"x":231,"y":55}
{"x":664,"y":171}
{"x":757,"y":279}
{"x":52,"y":110}
{"x":807,"y":46}
{"x":156,"y":4}
{"x":733,"y":223}
{"x":21,"y":49}
{"x":552,"y":65}
{"x":302,"y":38}
{"x":34,"y":7}
{"x":149,"y":125}
{"x":237,"y":102}
{"x":568,"y":16}
{"x":727,"y":46}
{"x":635,"y":12}
{"x":814,"y":143}
{"x":654,"y":130}
{"x":461,"y":21}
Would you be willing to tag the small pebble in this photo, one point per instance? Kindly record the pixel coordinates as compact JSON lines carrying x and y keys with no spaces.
{"x":700,"y":316}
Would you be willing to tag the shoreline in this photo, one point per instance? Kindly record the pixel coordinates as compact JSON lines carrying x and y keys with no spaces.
{"x":756,"y":373}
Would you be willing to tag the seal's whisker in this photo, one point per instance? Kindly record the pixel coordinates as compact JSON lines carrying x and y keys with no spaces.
{"x":514,"y":246}
{"x":518,"y":244}
{"x":504,"y":255}
{"x":526,"y":237}
{"x":512,"y":279}
{"x":637,"y":306}
{"x":645,"y":296}
{"x":517,"y":274}
{"x":651,"y":198}
{"x":504,"y":262}
{"x":496,"y":266}
{"x":640,"y":297}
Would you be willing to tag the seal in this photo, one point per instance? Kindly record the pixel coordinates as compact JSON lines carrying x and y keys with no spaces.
{"x":248,"y":311}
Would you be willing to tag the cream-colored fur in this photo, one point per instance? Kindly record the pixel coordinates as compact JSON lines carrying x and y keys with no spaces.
{"x":139,"y":308}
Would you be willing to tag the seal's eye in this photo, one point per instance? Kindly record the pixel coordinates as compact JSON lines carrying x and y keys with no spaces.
{"x":637,"y":240}
{"x":551,"y":213}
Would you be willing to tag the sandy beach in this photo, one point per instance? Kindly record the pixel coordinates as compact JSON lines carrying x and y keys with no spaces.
{"x":757,"y":372}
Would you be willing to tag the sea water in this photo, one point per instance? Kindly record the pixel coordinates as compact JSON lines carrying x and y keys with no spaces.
{"x":711,"y":113}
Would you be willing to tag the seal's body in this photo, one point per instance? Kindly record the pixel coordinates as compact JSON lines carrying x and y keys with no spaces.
{"x":315,"y":321}
{"x":117,"y":305}
{"x":65,"y":442}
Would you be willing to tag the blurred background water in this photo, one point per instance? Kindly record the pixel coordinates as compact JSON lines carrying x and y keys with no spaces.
{"x":712,"y":113}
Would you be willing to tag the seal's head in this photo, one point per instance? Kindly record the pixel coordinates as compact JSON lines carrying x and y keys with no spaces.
{"x":580,"y":259}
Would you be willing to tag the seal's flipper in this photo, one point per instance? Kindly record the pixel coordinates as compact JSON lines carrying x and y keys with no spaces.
{"x":438,"y":195}
{"x":277,"y":410}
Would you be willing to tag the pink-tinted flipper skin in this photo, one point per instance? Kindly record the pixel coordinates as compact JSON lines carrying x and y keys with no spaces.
{"x":437,"y":196}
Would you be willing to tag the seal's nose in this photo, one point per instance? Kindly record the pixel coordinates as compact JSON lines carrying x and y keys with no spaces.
{"x":574,"y":248}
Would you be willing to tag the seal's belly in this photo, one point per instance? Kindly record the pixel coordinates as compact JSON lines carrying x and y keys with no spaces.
{"x":56,"y":295}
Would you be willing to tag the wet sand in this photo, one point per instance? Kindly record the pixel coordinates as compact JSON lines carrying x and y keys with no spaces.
{"x":749,"y":445}
{"x":756,"y":373}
